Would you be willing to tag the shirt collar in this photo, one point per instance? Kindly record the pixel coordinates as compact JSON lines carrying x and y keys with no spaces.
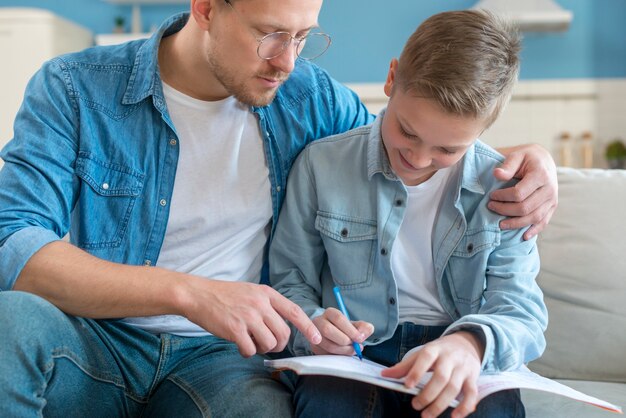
{"x":377,"y":159}
{"x":470,"y":179}
{"x":145,"y":78}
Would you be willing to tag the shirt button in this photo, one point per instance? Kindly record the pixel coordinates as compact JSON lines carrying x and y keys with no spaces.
{"x":344,"y":232}
{"x":278,"y":188}
{"x":470,"y":247}
{"x":383,"y":251}
{"x":105,"y":186}
{"x":399,"y":202}
{"x":147,"y":263}
{"x":163,"y":202}
{"x":392,"y":301}
{"x":172,"y":141}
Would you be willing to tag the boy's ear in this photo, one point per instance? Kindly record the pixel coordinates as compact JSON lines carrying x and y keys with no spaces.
{"x":391,"y":76}
{"x":202,"y":11}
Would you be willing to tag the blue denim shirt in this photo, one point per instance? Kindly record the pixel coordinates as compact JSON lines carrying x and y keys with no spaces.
{"x":95,"y":151}
{"x":343,"y":209}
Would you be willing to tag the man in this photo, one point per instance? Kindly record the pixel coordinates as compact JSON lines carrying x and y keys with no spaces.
{"x":166,"y":161}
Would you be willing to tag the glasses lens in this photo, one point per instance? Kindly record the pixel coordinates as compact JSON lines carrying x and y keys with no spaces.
{"x":313,"y":45}
{"x":273,"y":45}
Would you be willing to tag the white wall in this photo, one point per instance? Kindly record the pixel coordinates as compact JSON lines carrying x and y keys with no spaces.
{"x":541,"y":111}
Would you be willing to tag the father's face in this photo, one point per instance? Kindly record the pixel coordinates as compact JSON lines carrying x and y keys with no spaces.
{"x":232,"y":52}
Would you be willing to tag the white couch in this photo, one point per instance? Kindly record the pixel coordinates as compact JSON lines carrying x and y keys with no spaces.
{"x":583,"y":277}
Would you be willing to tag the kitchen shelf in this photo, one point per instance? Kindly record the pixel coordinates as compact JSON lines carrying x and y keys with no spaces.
{"x":136,"y":25}
{"x":118,"y":38}
{"x":147,"y":1}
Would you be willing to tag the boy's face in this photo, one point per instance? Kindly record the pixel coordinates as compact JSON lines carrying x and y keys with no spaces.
{"x":232,"y":52}
{"x":421,"y":138}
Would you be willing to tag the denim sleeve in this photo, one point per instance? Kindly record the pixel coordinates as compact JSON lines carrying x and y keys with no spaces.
{"x":297,"y":252}
{"x":347,"y":110}
{"x":37,"y":183}
{"x":513,"y":316}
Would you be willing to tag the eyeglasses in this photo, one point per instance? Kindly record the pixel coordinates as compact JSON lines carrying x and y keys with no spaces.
{"x":274,"y":44}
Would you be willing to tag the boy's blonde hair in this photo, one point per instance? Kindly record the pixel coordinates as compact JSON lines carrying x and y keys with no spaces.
{"x":465,"y":60}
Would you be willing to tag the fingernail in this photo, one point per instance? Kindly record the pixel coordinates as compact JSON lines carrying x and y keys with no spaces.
{"x":317,"y":338}
{"x":361,"y":338}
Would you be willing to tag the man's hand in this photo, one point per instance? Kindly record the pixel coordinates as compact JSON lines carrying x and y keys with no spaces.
{"x":534,"y":199}
{"x":338,"y":333}
{"x":455,"y":361}
{"x":250,"y":315}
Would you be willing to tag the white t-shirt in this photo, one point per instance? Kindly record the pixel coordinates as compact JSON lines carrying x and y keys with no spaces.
{"x":221,"y":208}
{"x":412,"y":254}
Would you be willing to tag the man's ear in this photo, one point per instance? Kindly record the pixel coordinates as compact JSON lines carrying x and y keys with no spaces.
{"x":391,"y":76}
{"x":203,"y":11}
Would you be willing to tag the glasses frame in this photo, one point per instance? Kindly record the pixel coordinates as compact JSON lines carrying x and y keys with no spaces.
{"x":292,"y":39}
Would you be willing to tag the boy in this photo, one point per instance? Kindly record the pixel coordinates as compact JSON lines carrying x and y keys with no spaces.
{"x":395,"y":214}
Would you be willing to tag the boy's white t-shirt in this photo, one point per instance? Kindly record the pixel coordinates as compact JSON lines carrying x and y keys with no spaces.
{"x":221,"y":208}
{"x":412,"y":253}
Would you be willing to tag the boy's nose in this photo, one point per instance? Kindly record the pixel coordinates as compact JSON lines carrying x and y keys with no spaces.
{"x":419,"y":159}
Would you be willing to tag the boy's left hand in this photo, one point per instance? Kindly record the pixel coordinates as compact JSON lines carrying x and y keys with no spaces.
{"x":455,"y":361}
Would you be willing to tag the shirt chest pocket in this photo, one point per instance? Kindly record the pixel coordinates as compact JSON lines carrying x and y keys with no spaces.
{"x":350,"y":247}
{"x":108,"y":193}
{"x":467,"y":267}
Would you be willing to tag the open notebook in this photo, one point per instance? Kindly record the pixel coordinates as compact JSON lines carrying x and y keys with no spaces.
{"x":369,"y":372}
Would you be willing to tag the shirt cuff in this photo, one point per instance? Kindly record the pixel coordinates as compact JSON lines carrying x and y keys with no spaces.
{"x":484,"y":334}
{"x":18,"y":249}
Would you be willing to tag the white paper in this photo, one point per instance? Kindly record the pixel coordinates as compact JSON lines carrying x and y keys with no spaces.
{"x":523,"y":378}
{"x":346,"y":367}
{"x":369,"y":372}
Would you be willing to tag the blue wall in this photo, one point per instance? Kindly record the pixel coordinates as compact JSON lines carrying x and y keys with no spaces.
{"x":367,"y":34}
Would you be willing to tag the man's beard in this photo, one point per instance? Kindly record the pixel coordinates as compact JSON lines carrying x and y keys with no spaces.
{"x":240,"y":91}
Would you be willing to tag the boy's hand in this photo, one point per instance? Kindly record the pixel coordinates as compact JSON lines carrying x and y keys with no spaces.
{"x":338,"y":333}
{"x":455,"y":361}
{"x":534,"y":199}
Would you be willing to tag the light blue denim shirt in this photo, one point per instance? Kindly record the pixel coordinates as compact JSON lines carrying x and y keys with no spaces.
{"x":343,"y":209}
{"x":95,"y":151}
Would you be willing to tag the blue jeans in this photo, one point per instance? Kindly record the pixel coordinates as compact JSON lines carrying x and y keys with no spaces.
{"x":57,"y":365}
{"x":324,"y":396}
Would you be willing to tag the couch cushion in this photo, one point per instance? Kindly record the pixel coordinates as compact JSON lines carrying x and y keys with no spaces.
{"x":583,"y":276}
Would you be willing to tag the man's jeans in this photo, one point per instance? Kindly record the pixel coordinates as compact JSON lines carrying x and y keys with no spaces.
{"x":324,"y":396}
{"x":56,"y":365}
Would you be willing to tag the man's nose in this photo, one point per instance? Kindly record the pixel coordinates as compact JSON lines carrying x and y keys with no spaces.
{"x":285,"y":62}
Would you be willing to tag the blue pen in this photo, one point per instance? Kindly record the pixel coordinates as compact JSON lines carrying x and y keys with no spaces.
{"x":342,"y":307}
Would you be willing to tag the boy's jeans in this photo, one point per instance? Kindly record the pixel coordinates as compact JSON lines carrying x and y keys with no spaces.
{"x":321,"y":396}
{"x":57,"y":365}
